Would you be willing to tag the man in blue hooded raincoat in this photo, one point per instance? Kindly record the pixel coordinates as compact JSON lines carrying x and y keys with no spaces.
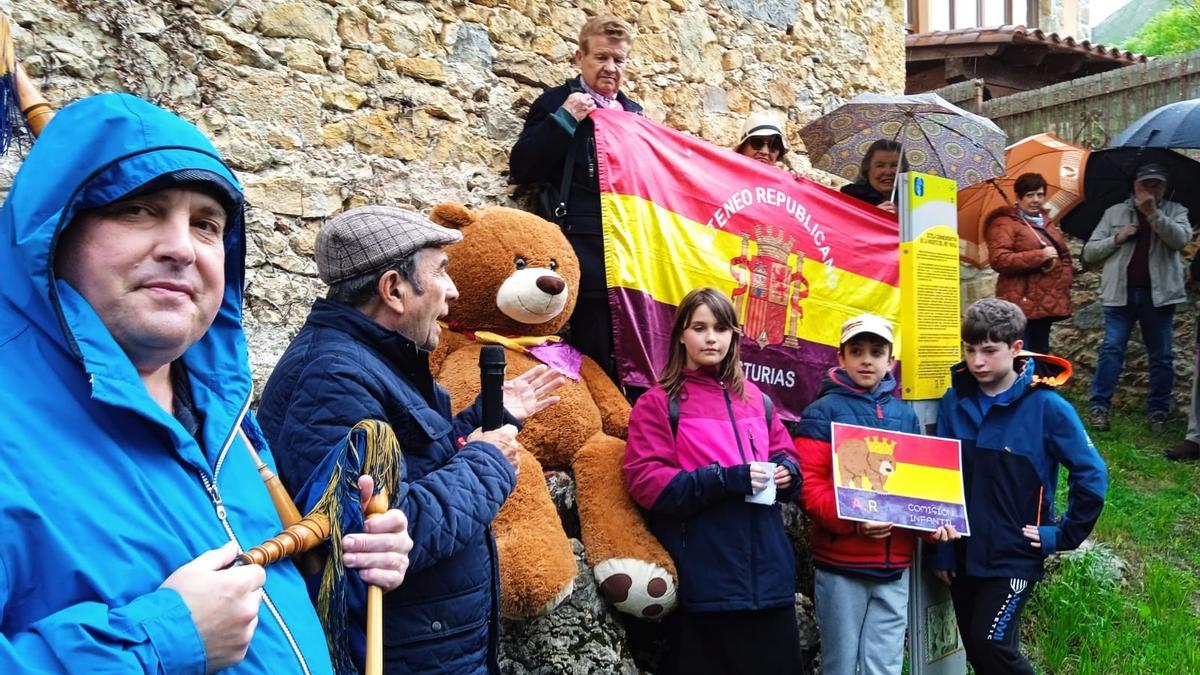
{"x":126,"y":488}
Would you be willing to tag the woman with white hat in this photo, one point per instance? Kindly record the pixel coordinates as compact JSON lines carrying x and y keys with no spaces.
{"x":762,"y":139}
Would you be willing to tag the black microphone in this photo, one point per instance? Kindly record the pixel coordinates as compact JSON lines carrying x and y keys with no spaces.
{"x":491,"y":385}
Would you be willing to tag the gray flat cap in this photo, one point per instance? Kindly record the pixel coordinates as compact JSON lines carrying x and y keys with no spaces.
{"x":367,"y":238}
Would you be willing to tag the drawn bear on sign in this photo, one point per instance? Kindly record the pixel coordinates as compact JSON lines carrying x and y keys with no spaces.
{"x":862,"y":467}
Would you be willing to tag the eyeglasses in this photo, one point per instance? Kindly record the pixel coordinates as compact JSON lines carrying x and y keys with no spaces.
{"x":773,"y":143}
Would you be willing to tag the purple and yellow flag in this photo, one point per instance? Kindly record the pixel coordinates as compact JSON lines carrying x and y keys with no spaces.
{"x":911,"y":480}
{"x":797,"y":258}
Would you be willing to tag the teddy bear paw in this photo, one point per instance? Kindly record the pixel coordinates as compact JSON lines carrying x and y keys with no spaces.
{"x":558,"y":599}
{"x":636,"y":587}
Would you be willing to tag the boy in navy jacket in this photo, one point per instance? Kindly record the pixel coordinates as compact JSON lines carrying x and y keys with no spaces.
{"x":1015,"y":432}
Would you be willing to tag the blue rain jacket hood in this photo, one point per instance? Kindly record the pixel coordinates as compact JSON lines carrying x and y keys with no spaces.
{"x":103,"y":493}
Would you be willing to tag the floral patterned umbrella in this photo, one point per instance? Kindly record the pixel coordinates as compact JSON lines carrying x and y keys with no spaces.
{"x":938,"y":137}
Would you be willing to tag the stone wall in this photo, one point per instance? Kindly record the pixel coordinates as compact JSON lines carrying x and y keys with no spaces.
{"x":324,"y":105}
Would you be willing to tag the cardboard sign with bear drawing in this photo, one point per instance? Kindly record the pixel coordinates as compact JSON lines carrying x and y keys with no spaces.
{"x":910,"y":480}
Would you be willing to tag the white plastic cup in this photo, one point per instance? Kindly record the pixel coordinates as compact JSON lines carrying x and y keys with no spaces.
{"x":767,"y":494}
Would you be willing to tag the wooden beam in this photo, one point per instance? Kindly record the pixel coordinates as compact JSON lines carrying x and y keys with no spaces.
{"x":999,"y":74}
{"x":943,"y":52}
{"x":1018,"y":81}
{"x":925,"y":78}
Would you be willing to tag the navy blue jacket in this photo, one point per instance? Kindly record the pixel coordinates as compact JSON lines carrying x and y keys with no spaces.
{"x":1011,"y":457}
{"x":842,"y":401}
{"x":344,"y":367}
{"x":865,"y":193}
{"x":538,"y":157}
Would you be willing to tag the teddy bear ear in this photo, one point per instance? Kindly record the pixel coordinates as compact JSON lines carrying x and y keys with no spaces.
{"x":452,"y":214}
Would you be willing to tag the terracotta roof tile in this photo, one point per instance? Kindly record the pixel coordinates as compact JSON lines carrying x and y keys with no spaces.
{"x":1020,"y":35}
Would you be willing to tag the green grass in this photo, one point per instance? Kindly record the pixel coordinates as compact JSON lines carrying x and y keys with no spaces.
{"x":1083,"y":618}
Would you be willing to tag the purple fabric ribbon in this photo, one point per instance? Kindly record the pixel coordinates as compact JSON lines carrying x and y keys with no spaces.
{"x":560,"y":356}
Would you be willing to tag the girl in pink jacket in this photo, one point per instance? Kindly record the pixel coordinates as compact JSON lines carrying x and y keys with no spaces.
{"x":692,"y":439}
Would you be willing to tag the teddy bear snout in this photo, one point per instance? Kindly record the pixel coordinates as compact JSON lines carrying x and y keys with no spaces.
{"x":532,"y":295}
{"x":551,"y":284}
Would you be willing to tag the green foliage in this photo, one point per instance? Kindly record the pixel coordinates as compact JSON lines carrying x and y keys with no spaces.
{"x":1175,"y":30}
{"x":1082,"y":621}
{"x":1093,"y":614}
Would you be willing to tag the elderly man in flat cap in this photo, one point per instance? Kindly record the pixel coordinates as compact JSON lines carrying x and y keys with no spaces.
{"x":364,"y":354}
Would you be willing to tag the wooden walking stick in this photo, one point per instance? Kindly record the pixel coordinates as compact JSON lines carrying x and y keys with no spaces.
{"x":369,"y":448}
{"x":374,"y":661}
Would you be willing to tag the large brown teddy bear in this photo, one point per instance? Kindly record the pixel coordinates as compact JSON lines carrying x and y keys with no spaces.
{"x":517,"y":277}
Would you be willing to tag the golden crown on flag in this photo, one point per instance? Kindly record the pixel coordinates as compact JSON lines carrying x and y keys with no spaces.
{"x":883,"y":446}
{"x":773,"y":242}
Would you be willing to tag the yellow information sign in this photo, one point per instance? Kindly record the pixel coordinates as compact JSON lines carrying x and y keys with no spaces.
{"x":929,"y":305}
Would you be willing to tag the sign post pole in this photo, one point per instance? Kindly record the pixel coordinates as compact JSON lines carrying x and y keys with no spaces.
{"x":929,"y":346}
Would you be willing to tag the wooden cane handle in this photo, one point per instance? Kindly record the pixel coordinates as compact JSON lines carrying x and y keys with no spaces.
{"x":377,"y":504}
{"x":374,"y":662}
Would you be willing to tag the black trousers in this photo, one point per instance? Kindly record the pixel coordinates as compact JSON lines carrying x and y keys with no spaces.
{"x":591,"y":332}
{"x":1037,"y":335}
{"x":988,"y":610}
{"x":758,"y":642}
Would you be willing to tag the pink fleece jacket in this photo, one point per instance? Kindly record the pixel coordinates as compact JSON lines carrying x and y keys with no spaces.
{"x":714,"y":426}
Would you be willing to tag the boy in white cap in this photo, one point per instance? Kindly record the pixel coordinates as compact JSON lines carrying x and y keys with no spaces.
{"x":861,"y":580}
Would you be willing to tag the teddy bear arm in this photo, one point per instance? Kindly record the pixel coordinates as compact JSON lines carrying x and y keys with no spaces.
{"x":459,"y":374}
{"x":634,"y":571}
{"x":614,"y":409}
{"x":537,"y":565}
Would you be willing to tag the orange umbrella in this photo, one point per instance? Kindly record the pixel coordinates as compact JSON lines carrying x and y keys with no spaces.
{"x":1059,"y":162}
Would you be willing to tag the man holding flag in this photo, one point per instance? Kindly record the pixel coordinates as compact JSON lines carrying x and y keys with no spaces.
{"x":557,"y":150}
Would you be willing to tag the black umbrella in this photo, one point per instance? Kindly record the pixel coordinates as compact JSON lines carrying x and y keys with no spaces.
{"x":1175,"y":125}
{"x":1108,"y":180}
